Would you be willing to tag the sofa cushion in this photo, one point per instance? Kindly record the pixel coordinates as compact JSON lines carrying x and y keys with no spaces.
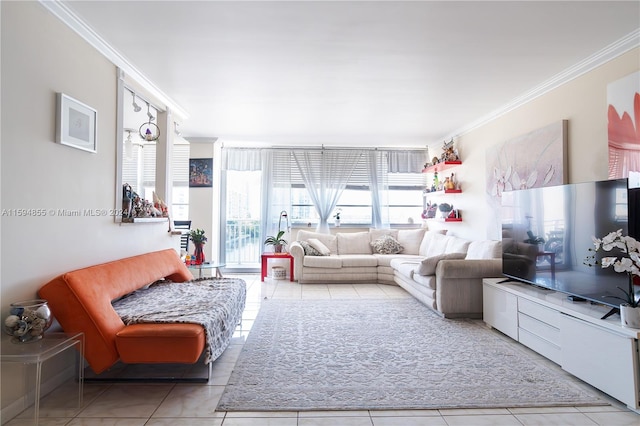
{"x":428,"y":281}
{"x":177,"y":342}
{"x":357,"y":260}
{"x":374,"y":233}
{"x":319,"y":246}
{"x":405,"y":267}
{"x":327,"y":239}
{"x":308,"y":249}
{"x":437,"y":245}
{"x":353,"y":243}
{"x":330,"y":262}
{"x":428,"y":265}
{"x":484,"y":250}
{"x":410,"y":239}
{"x":427,"y":239}
{"x":386,"y":244}
{"x":457,"y":245}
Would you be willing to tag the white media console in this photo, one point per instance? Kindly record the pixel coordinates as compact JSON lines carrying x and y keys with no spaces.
{"x":572,"y":334}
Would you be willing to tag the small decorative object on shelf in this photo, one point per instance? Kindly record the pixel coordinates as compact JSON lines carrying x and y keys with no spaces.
{"x":449,"y":153}
{"x":136,"y":207}
{"x":454,"y":216}
{"x":28,"y":320}
{"x":430,"y":211}
{"x":445,"y":208}
{"x":449,"y":158}
{"x":198,"y":238}
{"x":337,"y":218}
{"x":627,"y":261}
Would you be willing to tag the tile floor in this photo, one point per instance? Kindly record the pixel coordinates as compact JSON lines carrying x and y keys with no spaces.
{"x":195,"y":404}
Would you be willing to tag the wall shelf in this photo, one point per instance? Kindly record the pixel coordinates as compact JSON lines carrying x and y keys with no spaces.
{"x":441,"y":166}
{"x":446,"y":191}
{"x":146,"y":220}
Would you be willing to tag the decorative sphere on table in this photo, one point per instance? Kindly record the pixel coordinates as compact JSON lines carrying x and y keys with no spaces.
{"x":28,"y":320}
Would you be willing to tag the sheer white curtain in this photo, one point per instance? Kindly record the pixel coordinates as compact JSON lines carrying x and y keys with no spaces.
{"x":379,"y":188}
{"x":267,"y":161}
{"x":406,"y":161}
{"x":326,"y":177}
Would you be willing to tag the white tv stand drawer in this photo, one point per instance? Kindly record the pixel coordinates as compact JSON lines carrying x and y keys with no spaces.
{"x":573,"y":334}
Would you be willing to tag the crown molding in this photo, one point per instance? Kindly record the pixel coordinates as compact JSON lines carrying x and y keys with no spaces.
{"x":69,"y":18}
{"x":599,"y":58}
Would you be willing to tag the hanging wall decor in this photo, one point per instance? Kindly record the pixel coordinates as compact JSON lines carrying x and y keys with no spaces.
{"x":200,"y":172}
{"x":76,"y":124}
{"x":623,"y":127}
{"x":531,"y":160}
{"x":149,"y":131}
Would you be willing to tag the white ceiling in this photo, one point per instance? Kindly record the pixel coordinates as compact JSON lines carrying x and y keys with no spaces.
{"x":351,"y":73}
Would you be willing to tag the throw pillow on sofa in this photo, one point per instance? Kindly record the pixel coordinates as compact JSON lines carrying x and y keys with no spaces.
{"x":308,"y":250}
{"x":428,"y":266}
{"x":488,"y":249}
{"x":375,"y":233}
{"x":386,"y":245}
{"x":316,"y":244}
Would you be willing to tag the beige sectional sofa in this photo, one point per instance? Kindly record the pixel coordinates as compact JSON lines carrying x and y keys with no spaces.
{"x":442,"y":271}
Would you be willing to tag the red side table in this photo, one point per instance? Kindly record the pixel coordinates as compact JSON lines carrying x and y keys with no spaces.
{"x":267,"y":256}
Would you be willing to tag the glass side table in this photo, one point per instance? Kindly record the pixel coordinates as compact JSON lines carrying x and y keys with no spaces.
{"x":208,"y":265}
{"x":40,"y":351}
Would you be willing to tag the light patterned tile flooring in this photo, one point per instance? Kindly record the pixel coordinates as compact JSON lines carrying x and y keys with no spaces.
{"x":194,"y":404}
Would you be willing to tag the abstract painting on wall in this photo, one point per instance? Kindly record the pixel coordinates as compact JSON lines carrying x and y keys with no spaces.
{"x":532,"y":160}
{"x":623,"y":116}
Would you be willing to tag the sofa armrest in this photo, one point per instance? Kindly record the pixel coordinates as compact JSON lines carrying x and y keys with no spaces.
{"x":471,"y":268}
{"x":297,"y":252}
{"x":459,"y":286}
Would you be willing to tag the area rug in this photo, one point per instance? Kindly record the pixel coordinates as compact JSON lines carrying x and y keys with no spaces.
{"x":387,"y":354}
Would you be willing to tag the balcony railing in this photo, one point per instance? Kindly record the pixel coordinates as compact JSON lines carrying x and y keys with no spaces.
{"x":243,"y":246}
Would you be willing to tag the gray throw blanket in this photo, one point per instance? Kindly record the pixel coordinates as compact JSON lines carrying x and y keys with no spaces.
{"x":214,"y":303}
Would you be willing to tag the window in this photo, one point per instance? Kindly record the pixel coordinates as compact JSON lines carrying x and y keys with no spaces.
{"x":180,"y":182}
{"x":399,"y":194}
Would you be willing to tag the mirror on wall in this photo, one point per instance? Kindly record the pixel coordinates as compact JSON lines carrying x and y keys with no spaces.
{"x":138,"y":159}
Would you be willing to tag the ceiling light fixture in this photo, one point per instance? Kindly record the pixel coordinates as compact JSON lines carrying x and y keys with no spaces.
{"x":136,"y":107}
{"x":151,"y":117}
{"x":128,"y":146}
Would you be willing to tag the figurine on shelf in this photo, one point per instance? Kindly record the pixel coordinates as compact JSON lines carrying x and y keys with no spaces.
{"x":454,"y":182}
{"x":448,"y":183}
{"x":449,"y":153}
{"x":436,"y":182}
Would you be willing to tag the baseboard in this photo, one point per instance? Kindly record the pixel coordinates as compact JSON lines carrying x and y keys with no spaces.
{"x":25,"y":401}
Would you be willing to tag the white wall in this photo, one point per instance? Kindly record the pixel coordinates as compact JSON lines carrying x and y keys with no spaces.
{"x":202,"y":207}
{"x":41,"y":56}
{"x":582,"y":101}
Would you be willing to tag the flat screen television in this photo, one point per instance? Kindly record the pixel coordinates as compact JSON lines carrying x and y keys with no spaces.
{"x":547,"y":233}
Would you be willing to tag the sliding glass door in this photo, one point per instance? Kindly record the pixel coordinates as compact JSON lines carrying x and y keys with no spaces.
{"x":240,"y":220}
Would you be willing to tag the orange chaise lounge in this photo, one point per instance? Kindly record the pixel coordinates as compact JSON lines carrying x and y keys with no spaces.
{"x":81,"y":302}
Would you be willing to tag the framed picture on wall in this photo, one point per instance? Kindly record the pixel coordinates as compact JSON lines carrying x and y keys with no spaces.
{"x":200,"y":172}
{"x":76,"y":124}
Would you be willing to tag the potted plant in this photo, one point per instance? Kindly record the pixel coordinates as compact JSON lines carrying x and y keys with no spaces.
{"x":277,"y":242}
{"x":337,"y":217}
{"x":198,"y":238}
{"x":627,"y":262}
